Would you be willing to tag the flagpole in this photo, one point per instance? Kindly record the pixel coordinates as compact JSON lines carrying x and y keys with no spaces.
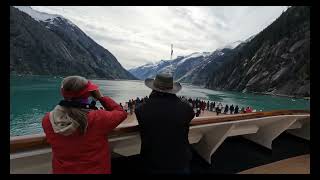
{"x":171,"y":51}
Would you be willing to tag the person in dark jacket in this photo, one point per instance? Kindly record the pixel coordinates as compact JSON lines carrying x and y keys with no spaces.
{"x":164,"y":126}
{"x":130,"y":106}
{"x":138,"y":100}
{"x":226,"y":109}
{"x":231,"y":109}
{"x":219,"y":109}
{"x":198,"y":111}
{"x":236,"y":110}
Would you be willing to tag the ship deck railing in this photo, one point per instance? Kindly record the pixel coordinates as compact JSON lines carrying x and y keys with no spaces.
{"x":32,"y":153}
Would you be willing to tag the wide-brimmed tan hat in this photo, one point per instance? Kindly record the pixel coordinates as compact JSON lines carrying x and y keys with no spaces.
{"x":163,"y":83}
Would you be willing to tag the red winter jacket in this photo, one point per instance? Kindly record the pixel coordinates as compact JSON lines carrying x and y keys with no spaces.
{"x":88,"y":153}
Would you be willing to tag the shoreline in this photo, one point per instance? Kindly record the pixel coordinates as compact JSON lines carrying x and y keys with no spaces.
{"x":282,"y":95}
{"x":259,"y":93}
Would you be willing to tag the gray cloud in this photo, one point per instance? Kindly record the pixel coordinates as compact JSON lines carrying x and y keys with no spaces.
{"x":138,"y":35}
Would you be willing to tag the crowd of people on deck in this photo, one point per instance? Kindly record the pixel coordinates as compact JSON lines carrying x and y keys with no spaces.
{"x":200,"y":106}
{"x":130,"y":105}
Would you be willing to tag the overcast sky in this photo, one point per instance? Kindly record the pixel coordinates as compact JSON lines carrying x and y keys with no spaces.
{"x":137,"y":35}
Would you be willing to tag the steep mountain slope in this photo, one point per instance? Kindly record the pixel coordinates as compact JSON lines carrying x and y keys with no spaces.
{"x":275,"y":61}
{"x":199,"y":75}
{"x":46,"y":44}
{"x":202,"y":74}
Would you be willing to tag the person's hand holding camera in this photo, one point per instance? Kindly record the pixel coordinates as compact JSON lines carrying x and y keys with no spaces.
{"x":96,"y":94}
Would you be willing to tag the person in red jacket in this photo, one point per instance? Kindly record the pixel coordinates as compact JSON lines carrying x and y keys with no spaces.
{"x":248,"y":110}
{"x":77,"y":132}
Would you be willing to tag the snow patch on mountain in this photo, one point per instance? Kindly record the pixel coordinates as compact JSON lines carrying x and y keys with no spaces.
{"x":168,"y":69}
{"x":42,"y":16}
{"x":193,"y":55}
{"x":250,"y":38}
{"x":147,"y":66}
{"x":232,"y":45}
{"x":220,"y":53}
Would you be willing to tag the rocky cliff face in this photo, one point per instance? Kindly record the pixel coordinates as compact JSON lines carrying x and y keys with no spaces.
{"x":200,"y":74}
{"x":276,"y":61}
{"x":45,"y":44}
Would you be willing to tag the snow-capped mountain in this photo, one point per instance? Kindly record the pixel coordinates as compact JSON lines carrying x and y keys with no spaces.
{"x":178,"y":66}
{"x":232,"y":45}
{"x":41,"y":16}
{"x":48,"y":44}
{"x":184,"y":68}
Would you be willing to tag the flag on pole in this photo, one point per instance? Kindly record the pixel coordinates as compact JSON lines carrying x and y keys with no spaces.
{"x":171,"y":50}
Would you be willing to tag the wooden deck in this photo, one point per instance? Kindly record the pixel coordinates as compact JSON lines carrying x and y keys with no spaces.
{"x":295,"y":165}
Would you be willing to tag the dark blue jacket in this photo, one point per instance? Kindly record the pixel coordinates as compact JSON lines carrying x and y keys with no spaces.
{"x":164,"y":126}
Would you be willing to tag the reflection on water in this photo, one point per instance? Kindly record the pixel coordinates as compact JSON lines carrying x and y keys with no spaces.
{"x":32,"y":96}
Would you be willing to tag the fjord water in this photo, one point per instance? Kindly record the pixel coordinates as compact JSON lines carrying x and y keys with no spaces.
{"x":32,"y":96}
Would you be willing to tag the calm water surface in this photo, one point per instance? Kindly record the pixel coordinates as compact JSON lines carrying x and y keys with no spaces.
{"x":32,"y":96}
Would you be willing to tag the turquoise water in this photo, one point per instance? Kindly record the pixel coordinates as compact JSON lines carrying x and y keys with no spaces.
{"x":32,"y":96}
